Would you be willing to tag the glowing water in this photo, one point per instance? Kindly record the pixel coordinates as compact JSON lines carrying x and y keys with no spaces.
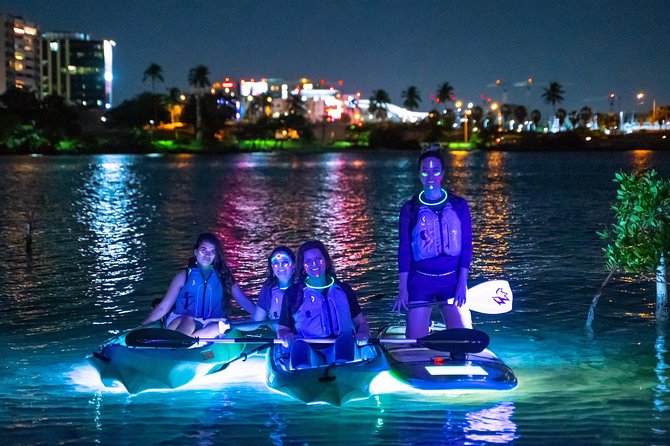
{"x":111,"y":231}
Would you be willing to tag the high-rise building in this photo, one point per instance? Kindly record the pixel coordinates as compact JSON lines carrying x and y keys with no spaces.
{"x":19,"y":54}
{"x":78,"y":69}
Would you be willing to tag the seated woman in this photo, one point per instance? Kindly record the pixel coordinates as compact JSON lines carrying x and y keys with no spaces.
{"x":201,"y":293}
{"x":319,"y":306}
{"x":281,"y":264}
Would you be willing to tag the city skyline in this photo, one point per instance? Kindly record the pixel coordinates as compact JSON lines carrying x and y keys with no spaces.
{"x":591,"y":49}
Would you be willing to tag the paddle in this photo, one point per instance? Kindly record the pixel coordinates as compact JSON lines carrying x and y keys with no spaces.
{"x":243,"y":356}
{"x":492,"y":297}
{"x":456,"y":340}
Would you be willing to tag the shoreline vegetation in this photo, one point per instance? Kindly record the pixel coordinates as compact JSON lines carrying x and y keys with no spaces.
{"x":378,"y":137}
{"x":52,"y":126}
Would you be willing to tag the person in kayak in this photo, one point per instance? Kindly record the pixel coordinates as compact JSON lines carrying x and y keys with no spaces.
{"x":318,"y":306}
{"x":281,"y":265}
{"x":434,"y":252}
{"x":200,"y":294}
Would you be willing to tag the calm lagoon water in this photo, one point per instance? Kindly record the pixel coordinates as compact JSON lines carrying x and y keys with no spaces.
{"x":110,"y":232}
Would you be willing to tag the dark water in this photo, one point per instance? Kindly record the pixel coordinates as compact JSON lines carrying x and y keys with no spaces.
{"x":110,"y":232}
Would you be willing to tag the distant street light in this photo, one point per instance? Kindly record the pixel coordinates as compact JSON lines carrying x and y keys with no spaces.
{"x":465,"y":126}
{"x":640,"y":101}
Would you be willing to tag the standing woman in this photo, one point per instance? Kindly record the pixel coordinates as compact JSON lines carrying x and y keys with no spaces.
{"x":319,"y":306}
{"x":281,"y":264}
{"x":201,"y":293}
{"x":434,"y":252}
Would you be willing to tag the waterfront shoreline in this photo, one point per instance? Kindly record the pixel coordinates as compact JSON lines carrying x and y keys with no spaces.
{"x":510,"y":142}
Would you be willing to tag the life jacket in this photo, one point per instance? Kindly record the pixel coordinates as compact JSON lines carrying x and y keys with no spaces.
{"x":277,"y":295}
{"x":320,"y":316}
{"x":436,"y":232}
{"x":201,"y":297}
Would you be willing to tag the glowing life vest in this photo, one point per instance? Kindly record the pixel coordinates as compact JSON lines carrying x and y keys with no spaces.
{"x":322,"y":316}
{"x":276,"y":297}
{"x":436,"y":233}
{"x":201,"y":297}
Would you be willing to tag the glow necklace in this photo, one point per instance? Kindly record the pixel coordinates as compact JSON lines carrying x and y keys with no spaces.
{"x":284,"y":287}
{"x":433,"y":204}
{"x":332,"y":281}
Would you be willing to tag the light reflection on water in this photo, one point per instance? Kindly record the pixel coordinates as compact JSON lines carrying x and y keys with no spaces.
{"x":110,"y":232}
{"x":112,"y":239}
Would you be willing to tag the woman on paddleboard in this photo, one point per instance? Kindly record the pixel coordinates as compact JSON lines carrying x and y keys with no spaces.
{"x":201,"y":293}
{"x":434,"y":253}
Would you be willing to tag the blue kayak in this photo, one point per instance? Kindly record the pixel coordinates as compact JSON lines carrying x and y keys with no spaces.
{"x":161,"y":366}
{"x":335,"y":384}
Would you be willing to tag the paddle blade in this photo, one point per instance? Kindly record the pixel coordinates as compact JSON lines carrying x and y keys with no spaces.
{"x":456,"y":340}
{"x":492,"y":297}
{"x":159,"y":338}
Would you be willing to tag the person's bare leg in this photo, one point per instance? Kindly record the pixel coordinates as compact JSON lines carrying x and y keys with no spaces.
{"x":456,"y":317}
{"x":418,"y":322}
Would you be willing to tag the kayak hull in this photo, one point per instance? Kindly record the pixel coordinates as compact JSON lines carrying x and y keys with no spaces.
{"x":335,"y":384}
{"x":426,"y":369}
{"x":149,"y":368}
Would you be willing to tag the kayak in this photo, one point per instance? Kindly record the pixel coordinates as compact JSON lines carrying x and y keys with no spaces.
{"x":336,"y":384}
{"x":150,"y":366}
{"x":424,"y":368}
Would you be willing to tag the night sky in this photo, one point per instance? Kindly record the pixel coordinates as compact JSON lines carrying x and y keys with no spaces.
{"x":592,"y":48}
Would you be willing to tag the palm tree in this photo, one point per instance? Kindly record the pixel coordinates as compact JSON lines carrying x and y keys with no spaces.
{"x":535,"y":116}
{"x":379,"y":104}
{"x":155,"y":73}
{"x":445,"y":93}
{"x":553,"y":94}
{"x":520,"y":113}
{"x":560,"y":115}
{"x":412,"y":98}
{"x":198,"y":79}
{"x":506,"y":113}
{"x":585,"y":116}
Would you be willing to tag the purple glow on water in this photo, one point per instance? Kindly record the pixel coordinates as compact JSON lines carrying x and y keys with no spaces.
{"x":111,"y":231}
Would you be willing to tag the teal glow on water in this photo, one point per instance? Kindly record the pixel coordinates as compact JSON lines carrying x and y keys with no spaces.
{"x":110,"y":232}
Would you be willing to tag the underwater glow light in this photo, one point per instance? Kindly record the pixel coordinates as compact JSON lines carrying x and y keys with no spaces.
{"x":385,"y":382}
{"x":86,"y":378}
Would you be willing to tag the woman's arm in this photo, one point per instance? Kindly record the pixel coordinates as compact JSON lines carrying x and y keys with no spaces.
{"x":259,"y":314}
{"x":242,"y":299}
{"x":461,"y":287}
{"x":404,"y":258}
{"x":362,"y":329}
{"x":168,"y":300}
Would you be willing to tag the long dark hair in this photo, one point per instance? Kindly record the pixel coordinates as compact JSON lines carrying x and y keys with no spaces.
{"x":219,"y":263}
{"x":432,"y":151}
{"x":271,"y":279}
{"x":299,"y":275}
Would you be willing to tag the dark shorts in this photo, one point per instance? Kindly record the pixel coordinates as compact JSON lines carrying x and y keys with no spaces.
{"x":428,"y":288}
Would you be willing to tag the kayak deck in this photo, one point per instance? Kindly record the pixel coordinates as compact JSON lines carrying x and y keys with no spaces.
{"x":427,"y":369}
{"x":149,"y":368}
{"x":336,"y":384}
